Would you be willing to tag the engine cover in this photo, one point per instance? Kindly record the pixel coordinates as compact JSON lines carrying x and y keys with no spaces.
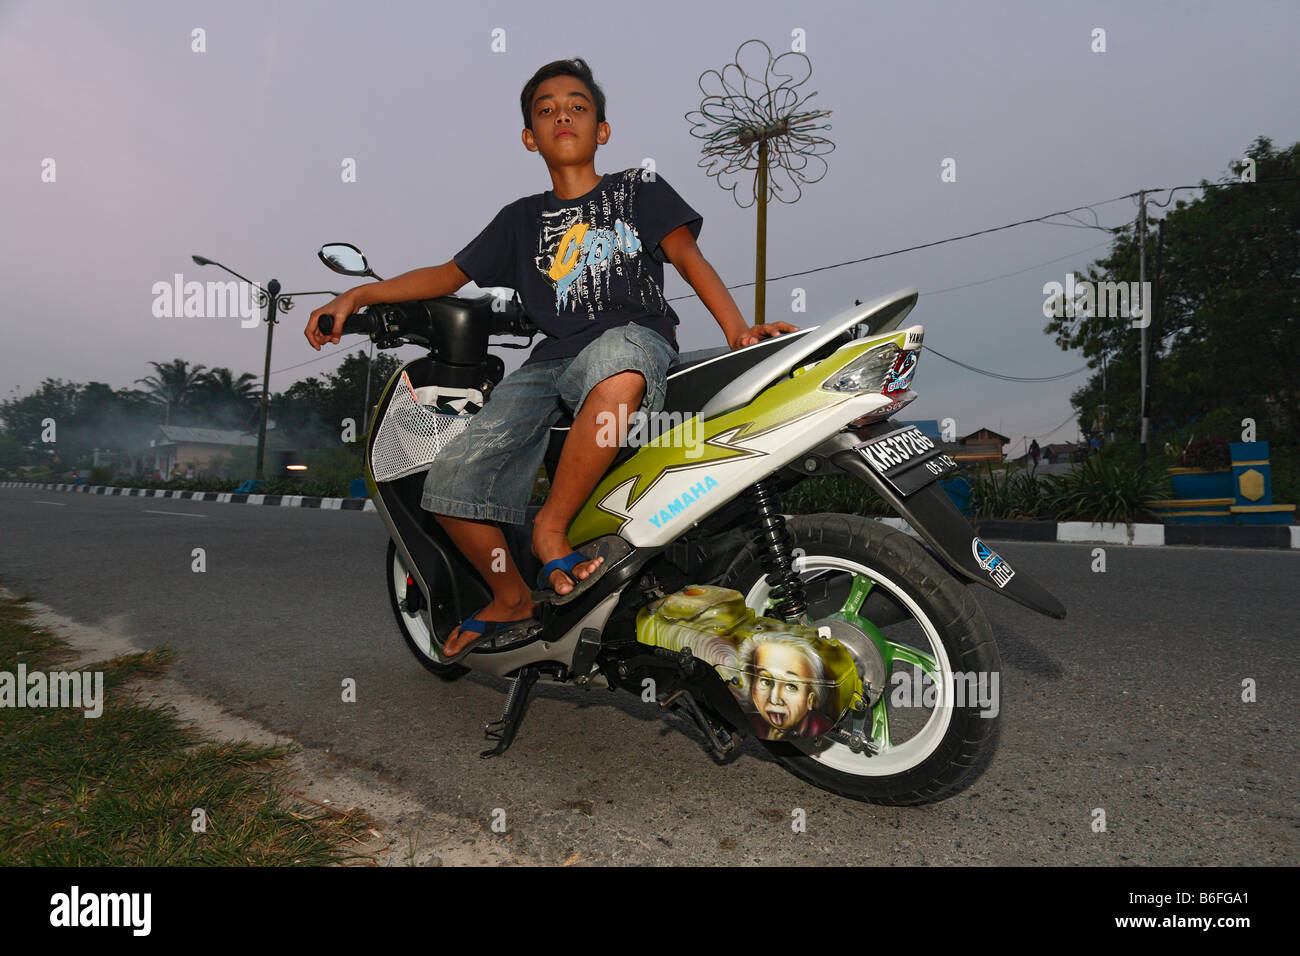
{"x":790,"y":681}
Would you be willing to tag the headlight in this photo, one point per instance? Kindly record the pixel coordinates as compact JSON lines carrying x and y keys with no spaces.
{"x":866,"y":373}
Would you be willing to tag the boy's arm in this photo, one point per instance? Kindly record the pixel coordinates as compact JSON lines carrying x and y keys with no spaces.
{"x":428,"y":283}
{"x":680,"y":248}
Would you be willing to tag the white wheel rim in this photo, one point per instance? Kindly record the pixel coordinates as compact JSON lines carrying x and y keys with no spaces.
{"x":414,"y":624}
{"x":894,"y":759}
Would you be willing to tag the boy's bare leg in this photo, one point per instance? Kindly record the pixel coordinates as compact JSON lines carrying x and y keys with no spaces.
{"x":583,"y":462}
{"x":484,"y":545}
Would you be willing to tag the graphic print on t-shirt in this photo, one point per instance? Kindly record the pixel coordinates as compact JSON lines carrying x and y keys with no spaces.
{"x":593,"y":258}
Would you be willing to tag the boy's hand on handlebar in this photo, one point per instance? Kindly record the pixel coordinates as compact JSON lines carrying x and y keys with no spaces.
{"x":340,"y":308}
{"x":760,"y":332}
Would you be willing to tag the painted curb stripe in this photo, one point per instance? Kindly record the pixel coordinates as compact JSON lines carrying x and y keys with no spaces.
{"x":223,"y":497}
{"x":1283,"y":537}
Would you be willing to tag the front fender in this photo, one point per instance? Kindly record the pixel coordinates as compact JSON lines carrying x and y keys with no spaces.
{"x":936,"y":519}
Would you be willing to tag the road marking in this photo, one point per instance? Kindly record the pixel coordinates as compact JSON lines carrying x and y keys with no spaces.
{"x":183,"y":514}
{"x":61,"y":504}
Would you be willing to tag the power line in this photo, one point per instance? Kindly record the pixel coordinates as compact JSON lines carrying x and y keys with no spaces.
{"x":1073,"y":416}
{"x":1027,"y":439}
{"x":927,"y":245}
{"x":319,"y":358}
{"x":1010,"y":225}
{"x":999,"y":375}
{"x":924,"y":245}
{"x":1008,"y":275}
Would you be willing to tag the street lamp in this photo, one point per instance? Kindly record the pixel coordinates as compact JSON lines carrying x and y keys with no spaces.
{"x":275,"y":301}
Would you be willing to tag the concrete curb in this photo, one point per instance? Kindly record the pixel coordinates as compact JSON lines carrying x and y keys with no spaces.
{"x":1275,"y":537}
{"x":226,"y":497}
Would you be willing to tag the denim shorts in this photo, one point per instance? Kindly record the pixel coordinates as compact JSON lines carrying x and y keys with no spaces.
{"x":487,"y":472}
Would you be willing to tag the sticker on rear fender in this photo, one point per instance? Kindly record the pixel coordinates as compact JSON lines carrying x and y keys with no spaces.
{"x":907,"y":459}
{"x":992,"y":562}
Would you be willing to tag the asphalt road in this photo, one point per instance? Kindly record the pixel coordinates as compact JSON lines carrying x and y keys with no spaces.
{"x":1131,"y":705}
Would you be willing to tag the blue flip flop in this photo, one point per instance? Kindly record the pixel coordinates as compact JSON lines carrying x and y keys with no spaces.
{"x":548,"y":595}
{"x":488,"y":629}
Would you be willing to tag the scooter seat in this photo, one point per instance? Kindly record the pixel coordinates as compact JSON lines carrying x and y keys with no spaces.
{"x":690,"y":386}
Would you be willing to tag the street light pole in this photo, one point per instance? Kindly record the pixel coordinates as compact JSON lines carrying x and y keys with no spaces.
{"x":275,"y":301}
{"x":273,"y":298}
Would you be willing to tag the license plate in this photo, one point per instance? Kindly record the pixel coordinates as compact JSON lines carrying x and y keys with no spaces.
{"x":907,"y":459}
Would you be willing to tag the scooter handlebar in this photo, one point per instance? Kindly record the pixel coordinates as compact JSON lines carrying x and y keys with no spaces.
{"x":357,"y":323}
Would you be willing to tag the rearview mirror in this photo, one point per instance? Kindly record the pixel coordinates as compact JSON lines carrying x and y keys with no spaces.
{"x":345,"y":258}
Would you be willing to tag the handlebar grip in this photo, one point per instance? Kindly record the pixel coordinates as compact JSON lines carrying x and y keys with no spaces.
{"x":354,"y":323}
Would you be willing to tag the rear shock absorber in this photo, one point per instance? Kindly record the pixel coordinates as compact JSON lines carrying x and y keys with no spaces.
{"x":777,"y":560}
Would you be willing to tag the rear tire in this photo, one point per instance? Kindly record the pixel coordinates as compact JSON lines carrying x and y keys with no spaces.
{"x":916,"y":601}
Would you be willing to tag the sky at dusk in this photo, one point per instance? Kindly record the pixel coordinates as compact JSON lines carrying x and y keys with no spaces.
{"x":235,"y":153}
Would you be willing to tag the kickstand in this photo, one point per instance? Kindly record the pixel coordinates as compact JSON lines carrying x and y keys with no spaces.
{"x":720,"y":741}
{"x":503,"y":731}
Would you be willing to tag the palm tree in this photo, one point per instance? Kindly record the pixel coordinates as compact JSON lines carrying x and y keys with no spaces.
{"x":174,"y":383}
{"x":224,"y":392}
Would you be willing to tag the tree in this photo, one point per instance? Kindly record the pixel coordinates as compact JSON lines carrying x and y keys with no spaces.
{"x":314,"y":409}
{"x":1225,"y":335}
{"x":297,"y":410}
{"x":85,"y":417}
{"x":173,"y":386}
{"x":346,"y":387}
{"x":224,"y":401}
{"x":12,"y":455}
{"x":24,"y":417}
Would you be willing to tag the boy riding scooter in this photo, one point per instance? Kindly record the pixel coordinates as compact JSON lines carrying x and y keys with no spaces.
{"x":586,"y":258}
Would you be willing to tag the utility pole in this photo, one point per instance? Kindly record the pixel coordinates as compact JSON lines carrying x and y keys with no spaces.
{"x":365,"y":410}
{"x":1156,"y":292}
{"x":1146,"y":317}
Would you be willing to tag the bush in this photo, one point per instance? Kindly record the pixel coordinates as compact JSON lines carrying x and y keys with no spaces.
{"x":1208,"y":452}
{"x":237,"y":463}
{"x":1284,"y":462}
{"x":334,"y":467}
{"x":1010,"y":494}
{"x":1103,"y":489}
{"x":841,"y":494}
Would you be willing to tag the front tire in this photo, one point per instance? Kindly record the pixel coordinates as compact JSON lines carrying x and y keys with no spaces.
{"x":403,"y":592}
{"x":880,"y":590}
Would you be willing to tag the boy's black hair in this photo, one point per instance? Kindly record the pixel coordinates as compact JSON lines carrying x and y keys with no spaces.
{"x":576,"y":67}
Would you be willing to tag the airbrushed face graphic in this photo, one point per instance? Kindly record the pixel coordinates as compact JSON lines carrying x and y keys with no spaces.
{"x":791,"y":681}
{"x":661,"y":491}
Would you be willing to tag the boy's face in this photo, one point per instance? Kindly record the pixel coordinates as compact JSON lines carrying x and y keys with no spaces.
{"x":565,"y":130}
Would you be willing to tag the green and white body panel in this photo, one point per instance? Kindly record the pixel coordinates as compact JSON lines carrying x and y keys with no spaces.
{"x":694,"y":469}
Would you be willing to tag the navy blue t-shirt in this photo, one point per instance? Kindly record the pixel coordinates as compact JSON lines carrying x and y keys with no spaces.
{"x":583,"y":266}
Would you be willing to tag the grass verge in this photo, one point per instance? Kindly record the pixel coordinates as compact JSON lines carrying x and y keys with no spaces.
{"x":121,"y":789}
